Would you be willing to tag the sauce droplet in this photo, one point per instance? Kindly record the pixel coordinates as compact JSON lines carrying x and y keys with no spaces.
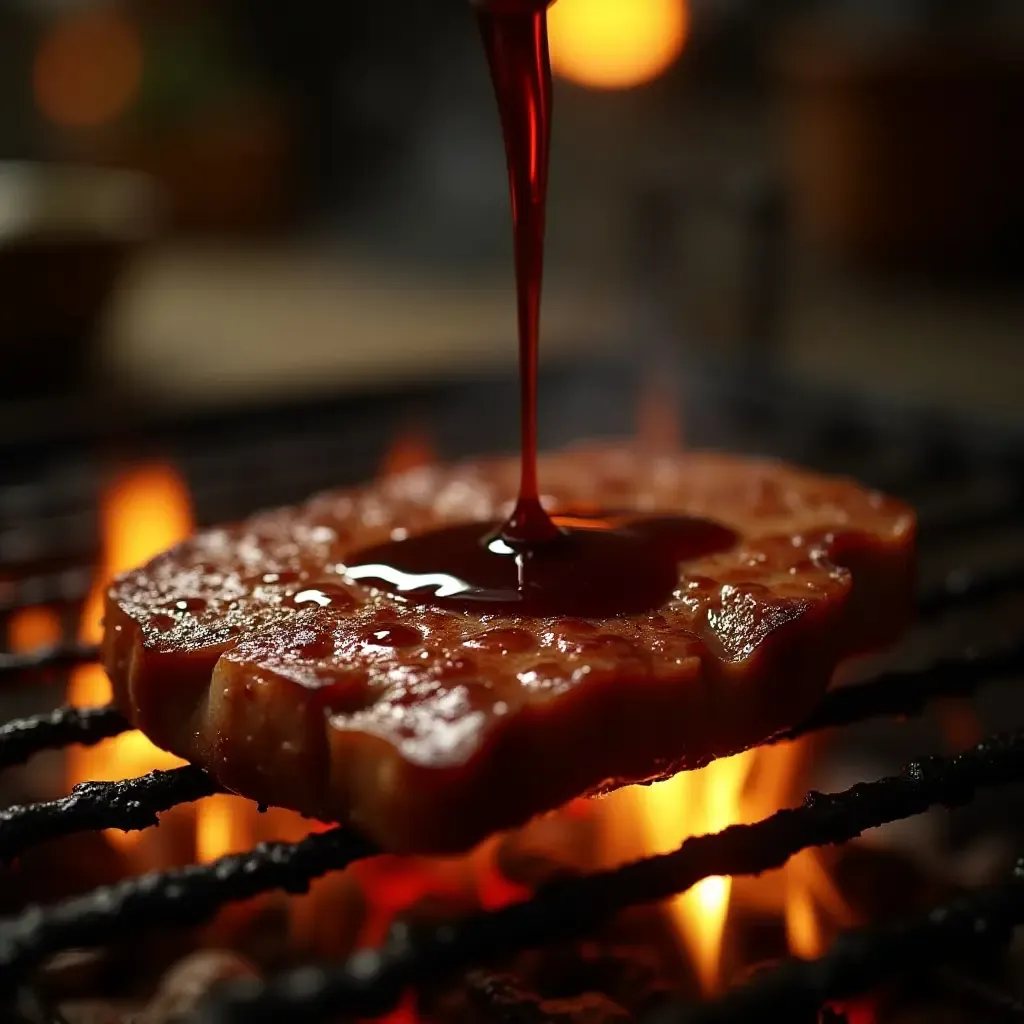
{"x":393,"y":634}
{"x":324,"y":595}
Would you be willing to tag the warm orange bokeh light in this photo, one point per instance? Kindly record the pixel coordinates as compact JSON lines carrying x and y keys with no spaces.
{"x":88,"y":69}
{"x":30,"y":629}
{"x":143,"y":511}
{"x":615,"y":44}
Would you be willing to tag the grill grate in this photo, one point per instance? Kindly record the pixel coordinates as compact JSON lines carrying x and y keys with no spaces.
{"x":968,"y":484}
{"x":186,"y":896}
{"x":372,"y":981}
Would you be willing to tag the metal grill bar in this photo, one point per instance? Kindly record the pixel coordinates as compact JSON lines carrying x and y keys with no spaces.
{"x":373,"y":980}
{"x":22,"y":738}
{"x":903,"y":694}
{"x":129,"y":805}
{"x":859,"y":960}
{"x":964,"y":587}
{"x":187,"y":896}
{"x":981,"y":516}
{"x":59,"y":588}
{"x":17,"y":667}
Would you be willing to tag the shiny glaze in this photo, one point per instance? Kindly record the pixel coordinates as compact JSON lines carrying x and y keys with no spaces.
{"x":600,"y":567}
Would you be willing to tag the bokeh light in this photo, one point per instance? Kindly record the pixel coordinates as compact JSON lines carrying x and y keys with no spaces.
{"x":616,"y":44}
{"x":88,"y":69}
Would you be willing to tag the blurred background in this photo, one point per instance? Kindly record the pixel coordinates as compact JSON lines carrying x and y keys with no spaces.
{"x":310,"y":198}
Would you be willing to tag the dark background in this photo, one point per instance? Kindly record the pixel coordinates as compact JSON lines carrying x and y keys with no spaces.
{"x":323,"y":206}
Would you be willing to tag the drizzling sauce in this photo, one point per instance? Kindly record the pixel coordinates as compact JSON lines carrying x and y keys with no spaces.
{"x":533,"y":563}
{"x":515,"y":35}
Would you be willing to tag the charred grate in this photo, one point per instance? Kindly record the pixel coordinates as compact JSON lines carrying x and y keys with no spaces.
{"x":969,"y":487}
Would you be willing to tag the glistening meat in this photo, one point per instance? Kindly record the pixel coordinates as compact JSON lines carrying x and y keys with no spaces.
{"x":248,"y":651}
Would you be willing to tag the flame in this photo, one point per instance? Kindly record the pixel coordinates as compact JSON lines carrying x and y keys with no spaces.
{"x":411,"y":449}
{"x":616,"y":44}
{"x":88,"y":69}
{"x":691,"y":803}
{"x":224,"y":824}
{"x":644,"y":820}
{"x":659,"y":429}
{"x":30,"y":629}
{"x":143,"y":511}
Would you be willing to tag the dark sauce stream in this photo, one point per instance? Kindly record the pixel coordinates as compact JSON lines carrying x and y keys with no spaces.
{"x":533,"y":563}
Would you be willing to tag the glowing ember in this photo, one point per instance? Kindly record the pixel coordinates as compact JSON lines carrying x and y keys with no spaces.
{"x":616,"y":44}
{"x":143,"y":511}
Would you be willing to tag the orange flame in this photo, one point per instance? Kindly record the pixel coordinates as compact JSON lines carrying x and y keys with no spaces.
{"x":224,"y":824}
{"x":661,"y":816}
{"x":616,"y":44}
{"x":744,"y":788}
{"x":30,"y":629}
{"x":411,"y":449}
{"x":144,"y":511}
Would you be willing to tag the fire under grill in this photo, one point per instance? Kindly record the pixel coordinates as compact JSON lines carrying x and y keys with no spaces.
{"x":966,"y":481}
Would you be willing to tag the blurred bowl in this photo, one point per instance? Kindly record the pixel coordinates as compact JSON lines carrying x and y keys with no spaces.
{"x":66,"y":235}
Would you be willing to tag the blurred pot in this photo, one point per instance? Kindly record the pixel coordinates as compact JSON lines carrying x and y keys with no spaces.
{"x":66,"y":234}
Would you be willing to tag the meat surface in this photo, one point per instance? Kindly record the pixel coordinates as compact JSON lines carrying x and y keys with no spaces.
{"x":247,"y":651}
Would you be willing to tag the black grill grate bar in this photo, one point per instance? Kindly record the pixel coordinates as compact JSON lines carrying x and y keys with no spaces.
{"x":977,"y":519}
{"x":860,"y":960}
{"x":130,"y":805}
{"x":66,"y":587}
{"x":907,"y":693}
{"x":69,"y":538}
{"x":373,"y":980}
{"x":962,"y":588}
{"x":22,"y":738}
{"x":18,"y":667}
{"x":185,"y":897}
{"x":891,"y":694}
